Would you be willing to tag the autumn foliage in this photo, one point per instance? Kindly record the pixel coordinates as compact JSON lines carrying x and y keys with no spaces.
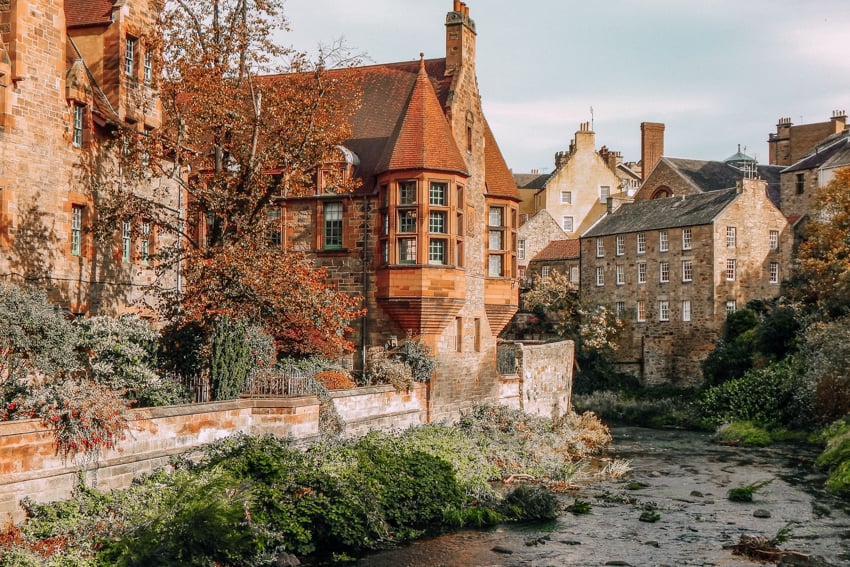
{"x":246,"y":124}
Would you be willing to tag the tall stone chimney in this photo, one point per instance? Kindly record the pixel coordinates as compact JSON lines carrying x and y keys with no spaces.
{"x":651,"y":146}
{"x":460,"y":38}
{"x":585,"y":138}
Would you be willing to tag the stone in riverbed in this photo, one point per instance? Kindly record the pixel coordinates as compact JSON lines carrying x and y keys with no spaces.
{"x":503,"y":550}
{"x":761,"y":514}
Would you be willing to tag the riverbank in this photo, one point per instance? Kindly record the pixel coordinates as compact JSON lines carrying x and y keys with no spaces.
{"x":686,"y":480}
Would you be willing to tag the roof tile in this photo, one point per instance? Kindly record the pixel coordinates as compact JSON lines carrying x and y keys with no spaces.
{"x":559,"y":250}
{"x":88,"y":12}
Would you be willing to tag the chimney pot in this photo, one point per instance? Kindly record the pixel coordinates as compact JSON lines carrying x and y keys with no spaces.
{"x":456,"y":7}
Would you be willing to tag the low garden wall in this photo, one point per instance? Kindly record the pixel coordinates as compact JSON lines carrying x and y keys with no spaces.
{"x":542,"y":382}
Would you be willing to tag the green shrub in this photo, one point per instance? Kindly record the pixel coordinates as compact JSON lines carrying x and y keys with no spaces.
{"x":745,"y":493}
{"x":742,"y":433}
{"x":528,"y":503}
{"x":384,"y":369}
{"x":230,"y":358}
{"x":417,"y":355}
{"x":768,"y":397}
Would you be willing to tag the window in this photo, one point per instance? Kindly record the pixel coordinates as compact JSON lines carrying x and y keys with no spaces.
{"x":621,"y":245}
{"x":476,"y":338}
{"x":641,"y":243}
{"x":604,"y":193}
{"x":663,"y":310}
{"x":664,"y":272}
{"x":600,"y":276}
{"x":407,"y":250}
{"x":568,"y":224}
{"x":496,"y":216}
{"x":126,"y":241}
{"x":520,"y":249}
{"x":407,"y":220}
{"x":437,"y":222}
{"x":730,"y":270}
{"x":574,"y":274}
{"x":273,"y":234}
{"x":129,"y":56}
{"x":407,"y":192}
{"x":437,"y":251}
{"x":544,"y":272}
{"x":731,"y":306}
{"x":687,"y":270}
{"x":774,"y":272}
{"x":731,"y":237}
{"x":773,"y":239}
{"x":600,"y":248}
{"x":640,"y":313}
{"x":686,"y":310}
{"x":458,"y":334}
{"x":438,"y":194}
{"x":641,"y":273}
{"x":621,"y":274}
{"x":145,"y":242}
{"x":385,"y":252}
{"x":686,"y":239}
{"x":619,"y":309}
{"x":663,"y":241}
{"x":494,"y":241}
{"x":566,"y":197}
{"x":801,"y":183}
{"x":495,"y":266}
{"x":79,"y":113}
{"x":333,"y":225}
{"x":148,"y":63}
{"x":76,"y":230}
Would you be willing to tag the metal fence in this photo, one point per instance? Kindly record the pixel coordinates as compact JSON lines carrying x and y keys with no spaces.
{"x":270,"y":383}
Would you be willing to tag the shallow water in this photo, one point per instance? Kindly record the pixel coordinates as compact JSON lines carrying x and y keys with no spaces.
{"x":687,"y":479}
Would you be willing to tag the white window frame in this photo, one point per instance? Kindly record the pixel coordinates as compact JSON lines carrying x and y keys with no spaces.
{"x":130,"y":55}
{"x":600,"y":248}
{"x":619,"y":309}
{"x":520,"y":249}
{"x":686,"y":310}
{"x":145,"y":242}
{"x":566,"y":197}
{"x":731,"y":237}
{"x":687,"y":270}
{"x":774,"y":272}
{"x":126,"y":241}
{"x":663,"y":310}
{"x":600,"y":276}
{"x":687,"y":238}
{"x":568,"y":224}
{"x":773,"y":239}
{"x":641,"y":243}
{"x":621,"y":244}
{"x":544,"y":272}
{"x":76,"y":230}
{"x":663,"y":241}
{"x":604,"y":193}
{"x":640,"y":311}
{"x":79,"y":115}
{"x":148,"y":67}
{"x":641,"y":272}
{"x":664,"y":272}
{"x":621,"y":274}
{"x":731,"y":306}
{"x":731,"y":269}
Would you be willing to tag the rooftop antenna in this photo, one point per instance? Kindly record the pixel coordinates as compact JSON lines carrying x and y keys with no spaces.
{"x":591,"y":119}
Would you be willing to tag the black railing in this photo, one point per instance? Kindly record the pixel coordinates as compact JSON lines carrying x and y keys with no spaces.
{"x":506,"y":362}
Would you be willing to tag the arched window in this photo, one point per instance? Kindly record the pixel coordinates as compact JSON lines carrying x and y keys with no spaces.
{"x":662,"y":193}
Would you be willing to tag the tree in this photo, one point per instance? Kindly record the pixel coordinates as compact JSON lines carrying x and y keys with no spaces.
{"x":823,"y":270}
{"x":246,"y":124}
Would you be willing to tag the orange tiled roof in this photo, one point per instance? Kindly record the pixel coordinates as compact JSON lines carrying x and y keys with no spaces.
{"x":88,"y":12}
{"x":559,"y":250}
{"x":423,"y":138}
{"x":498,"y":177}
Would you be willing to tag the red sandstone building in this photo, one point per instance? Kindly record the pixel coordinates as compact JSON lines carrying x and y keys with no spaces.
{"x":70,"y":73}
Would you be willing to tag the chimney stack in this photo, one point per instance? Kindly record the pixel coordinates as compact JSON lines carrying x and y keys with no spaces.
{"x":651,"y":146}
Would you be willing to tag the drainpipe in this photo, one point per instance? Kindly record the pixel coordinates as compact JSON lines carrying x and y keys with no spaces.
{"x":364,"y":323}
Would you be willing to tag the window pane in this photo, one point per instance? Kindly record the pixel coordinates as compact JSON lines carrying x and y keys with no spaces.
{"x":496,"y":216}
{"x":686,"y":239}
{"x":567,"y":224}
{"x":495,"y":265}
{"x":407,"y":192}
{"x":641,"y":243}
{"x":686,"y":310}
{"x":437,"y":251}
{"x":437,"y":195}
{"x":437,"y":222}
{"x":407,"y":250}
{"x":407,"y":221}
{"x":663,"y":242}
{"x":333,"y":225}
{"x":496,"y":240}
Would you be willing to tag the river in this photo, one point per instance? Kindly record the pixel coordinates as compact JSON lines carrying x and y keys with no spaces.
{"x":686,"y":480}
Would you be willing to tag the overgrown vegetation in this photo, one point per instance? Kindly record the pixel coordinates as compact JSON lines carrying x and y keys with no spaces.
{"x":745,"y":493}
{"x":244,"y":500}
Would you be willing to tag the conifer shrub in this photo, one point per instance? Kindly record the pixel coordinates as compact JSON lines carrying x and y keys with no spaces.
{"x":230,"y":358}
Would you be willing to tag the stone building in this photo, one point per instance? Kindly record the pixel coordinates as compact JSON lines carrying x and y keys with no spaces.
{"x":430,"y":237}
{"x":535,"y":234}
{"x":801,"y":181}
{"x":71,"y":72}
{"x":562,"y":256}
{"x":790,"y":143}
{"x":673,"y":268}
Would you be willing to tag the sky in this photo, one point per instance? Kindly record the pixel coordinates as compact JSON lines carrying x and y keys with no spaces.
{"x":717,"y":73}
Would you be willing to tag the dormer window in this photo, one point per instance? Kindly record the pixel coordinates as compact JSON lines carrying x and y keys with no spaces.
{"x":130,"y":56}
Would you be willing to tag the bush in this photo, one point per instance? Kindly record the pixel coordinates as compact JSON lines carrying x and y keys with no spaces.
{"x":826,"y":351}
{"x":530,"y":504}
{"x":767,"y":397}
{"x":836,"y":457}
{"x":335,"y":380}
{"x":742,"y":433}
{"x":384,"y":369}
{"x":418,"y":357}
{"x":230,"y":358}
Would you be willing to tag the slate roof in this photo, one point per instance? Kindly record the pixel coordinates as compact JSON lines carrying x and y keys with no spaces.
{"x":832,"y":152}
{"x":685,"y":210}
{"x":531,"y":180}
{"x":560,"y":250}
{"x":706,"y":175}
{"x":414,"y":145}
{"x":81,"y":13}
